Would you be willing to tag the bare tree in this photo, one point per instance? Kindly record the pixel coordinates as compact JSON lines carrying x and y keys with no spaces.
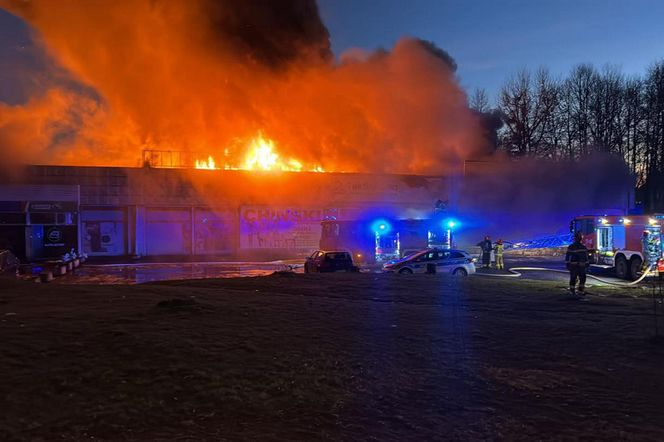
{"x":479,"y":101}
{"x":528,"y":107}
{"x":653,"y":154}
{"x":632,"y":123}
{"x":590,"y":109}
{"x":606,"y":108}
{"x":580,"y":85}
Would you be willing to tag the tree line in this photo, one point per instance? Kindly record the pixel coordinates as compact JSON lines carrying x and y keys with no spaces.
{"x":565,"y":119}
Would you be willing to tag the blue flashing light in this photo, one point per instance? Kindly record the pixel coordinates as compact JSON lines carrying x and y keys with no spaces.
{"x":381,"y":226}
{"x":451,"y":223}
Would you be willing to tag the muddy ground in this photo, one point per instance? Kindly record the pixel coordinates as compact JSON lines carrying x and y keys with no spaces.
{"x":328,"y":357}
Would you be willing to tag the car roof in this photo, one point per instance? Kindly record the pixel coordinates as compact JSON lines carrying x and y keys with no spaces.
{"x":438,"y":249}
{"x":433,"y":249}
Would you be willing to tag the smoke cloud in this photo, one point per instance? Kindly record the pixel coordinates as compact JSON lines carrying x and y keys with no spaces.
{"x":519,"y":200}
{"x":207,"y":76}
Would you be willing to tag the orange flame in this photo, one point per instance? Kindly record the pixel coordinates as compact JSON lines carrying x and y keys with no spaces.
{"x":261,"y":155}
{"x":203,"y":164}
{"x":205,"y":81}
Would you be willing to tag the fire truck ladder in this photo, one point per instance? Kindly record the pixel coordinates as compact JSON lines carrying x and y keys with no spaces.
{"x":543,"y":242}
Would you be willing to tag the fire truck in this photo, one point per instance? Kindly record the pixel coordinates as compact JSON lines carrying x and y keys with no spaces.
{"x":383,"y":239}
{"x":616,"y":241}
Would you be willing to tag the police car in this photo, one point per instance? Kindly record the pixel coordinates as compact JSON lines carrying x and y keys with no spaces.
{"x":456,"y":262}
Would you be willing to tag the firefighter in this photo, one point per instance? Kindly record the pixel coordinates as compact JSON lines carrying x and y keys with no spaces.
{"x":486,"y":247}
{"x":649,"y":249}
{"x":644,"y":249}
{"x":498,"y":248}
{"x":577,"y":263}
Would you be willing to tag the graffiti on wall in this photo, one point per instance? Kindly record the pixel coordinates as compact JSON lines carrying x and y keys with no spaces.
{"x":266,"y":227}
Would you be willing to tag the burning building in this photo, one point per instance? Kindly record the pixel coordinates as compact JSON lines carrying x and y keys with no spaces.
{"x":195,"y":214}
{"x":224,"y":102}
{"x":128,"y":98}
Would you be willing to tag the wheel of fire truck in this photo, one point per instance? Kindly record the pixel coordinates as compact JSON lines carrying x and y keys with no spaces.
{"x":405,"y":271}
{"x":622,"y":269}
{"x":635,"y":265}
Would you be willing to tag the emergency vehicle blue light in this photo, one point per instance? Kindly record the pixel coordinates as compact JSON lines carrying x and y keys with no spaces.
{"x":451,"y":223}
{"x":381,"y":226}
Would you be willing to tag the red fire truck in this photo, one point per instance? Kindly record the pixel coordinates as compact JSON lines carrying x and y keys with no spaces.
{"x":616,"y":241}
{"x":383,"y":239}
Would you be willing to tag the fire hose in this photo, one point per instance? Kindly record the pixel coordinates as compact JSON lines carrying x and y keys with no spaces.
{"x":514,"y":273}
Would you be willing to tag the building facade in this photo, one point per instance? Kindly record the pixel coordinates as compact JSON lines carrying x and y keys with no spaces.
{"x":196,"y":214}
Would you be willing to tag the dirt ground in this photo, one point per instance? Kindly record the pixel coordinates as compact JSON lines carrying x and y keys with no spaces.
{"x":328,"y":357}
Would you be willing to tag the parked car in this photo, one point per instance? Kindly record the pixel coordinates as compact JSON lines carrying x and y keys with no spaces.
{"x":329,"y":261}
{"x":456,"y":262}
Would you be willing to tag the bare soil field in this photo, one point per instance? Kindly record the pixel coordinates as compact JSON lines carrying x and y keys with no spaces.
{"x":328,"y":357}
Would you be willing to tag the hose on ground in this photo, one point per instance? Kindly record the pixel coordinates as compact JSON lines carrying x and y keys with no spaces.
{"x":514,"y":273}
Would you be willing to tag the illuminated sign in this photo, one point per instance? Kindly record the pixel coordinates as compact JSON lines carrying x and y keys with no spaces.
{"x":54,"y":237}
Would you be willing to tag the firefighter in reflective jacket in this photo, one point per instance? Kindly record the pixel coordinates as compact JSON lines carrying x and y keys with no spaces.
{"x":649,"y":249}
{"x":499,"y":249}
{"x":577,"y":262}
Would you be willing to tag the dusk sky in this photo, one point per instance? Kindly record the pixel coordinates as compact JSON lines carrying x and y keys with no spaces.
{"x":491,"y":39}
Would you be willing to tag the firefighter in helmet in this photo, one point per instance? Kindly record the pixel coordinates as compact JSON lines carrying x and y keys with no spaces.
{"x":498,"y":249}
{"x":577,"y":263}
{"x":486,"y":246}
{"x":649,"y":248}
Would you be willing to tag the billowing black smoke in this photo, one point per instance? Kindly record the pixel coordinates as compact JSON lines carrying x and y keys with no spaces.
{"x":273,"y":33}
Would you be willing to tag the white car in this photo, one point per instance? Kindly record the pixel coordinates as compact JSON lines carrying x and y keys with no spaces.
{"x":456,"y":262}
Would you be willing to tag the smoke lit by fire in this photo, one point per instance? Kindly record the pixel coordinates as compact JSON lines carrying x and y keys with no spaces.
{"x":204,"y":77}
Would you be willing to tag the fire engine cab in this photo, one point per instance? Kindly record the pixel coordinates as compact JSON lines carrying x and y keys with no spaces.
{"x":617,"y":241}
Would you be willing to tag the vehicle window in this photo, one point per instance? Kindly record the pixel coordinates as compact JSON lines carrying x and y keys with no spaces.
{"x":455,"y":255}
{"x":420,"y":258}
{"x":410,"y":255}
{"x":585,"y":226}
{"x":387,"y":242}
{"x":444,"y":255}
{"x":341,"y":256}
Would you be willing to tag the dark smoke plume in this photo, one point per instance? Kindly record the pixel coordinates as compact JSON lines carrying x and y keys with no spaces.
{"x":268,"y":32}
{"x":206,"y":77}
{"x":517,"y":200}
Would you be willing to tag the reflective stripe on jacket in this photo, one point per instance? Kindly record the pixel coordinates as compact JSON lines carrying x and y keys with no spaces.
{"x":576,"y":252}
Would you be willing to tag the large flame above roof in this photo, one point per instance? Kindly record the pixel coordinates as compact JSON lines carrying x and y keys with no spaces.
{"x":204,"y":77}
{"x":261,"y":155}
